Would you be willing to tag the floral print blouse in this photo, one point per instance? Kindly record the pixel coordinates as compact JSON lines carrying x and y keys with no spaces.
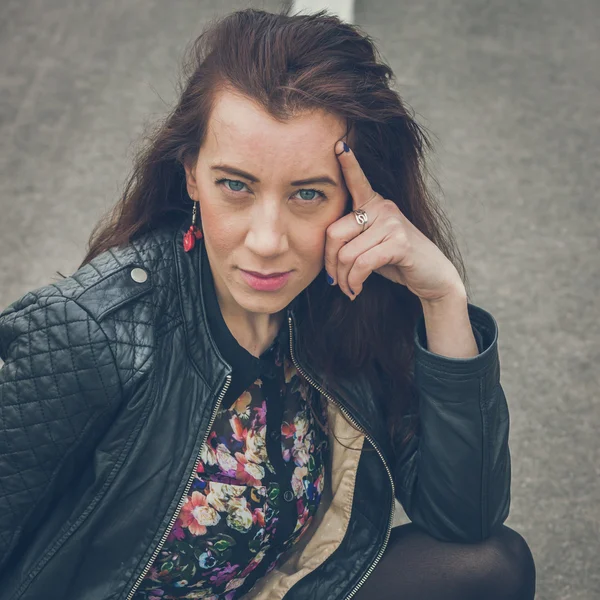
{"x":257,"y":486}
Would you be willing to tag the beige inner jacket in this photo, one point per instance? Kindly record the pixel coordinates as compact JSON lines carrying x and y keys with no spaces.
{"x":331,"y":520}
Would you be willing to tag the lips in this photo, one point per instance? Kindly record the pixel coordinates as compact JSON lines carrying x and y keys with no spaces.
{"x":269,"y":276}
{"x":266,"y":284}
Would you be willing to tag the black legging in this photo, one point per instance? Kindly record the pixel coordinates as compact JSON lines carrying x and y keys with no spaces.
{"x":416,"y":566}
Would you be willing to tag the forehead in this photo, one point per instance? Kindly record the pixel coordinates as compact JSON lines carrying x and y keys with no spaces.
{"x":240,"y":130}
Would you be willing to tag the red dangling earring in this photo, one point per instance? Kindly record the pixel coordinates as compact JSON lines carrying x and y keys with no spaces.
{"x":193,"y":233}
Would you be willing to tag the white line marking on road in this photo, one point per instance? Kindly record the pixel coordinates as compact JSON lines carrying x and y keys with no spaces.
{"x":344,"y":9}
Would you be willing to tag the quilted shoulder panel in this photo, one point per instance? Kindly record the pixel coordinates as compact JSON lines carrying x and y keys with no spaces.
{"x":134,"y":315}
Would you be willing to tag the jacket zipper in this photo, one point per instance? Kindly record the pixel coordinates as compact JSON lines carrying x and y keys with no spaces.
{"x":183,"y":496}
{"x":353,"y":421}
{"x":191,"y":479}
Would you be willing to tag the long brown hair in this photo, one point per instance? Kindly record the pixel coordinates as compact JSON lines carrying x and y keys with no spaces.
{"x":288,"y":64}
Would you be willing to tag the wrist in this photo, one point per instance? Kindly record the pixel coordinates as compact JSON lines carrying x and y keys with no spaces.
{"x":457,"y":298}
{"x":448,"y":327}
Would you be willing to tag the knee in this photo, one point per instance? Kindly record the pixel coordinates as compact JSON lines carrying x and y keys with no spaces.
{"x":509,"y":563}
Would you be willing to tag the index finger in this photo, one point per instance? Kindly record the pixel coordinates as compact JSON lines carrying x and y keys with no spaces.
{"x":356,"y":181}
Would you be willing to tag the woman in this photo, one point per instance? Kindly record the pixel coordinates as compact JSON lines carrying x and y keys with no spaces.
{"x":266,"y":345}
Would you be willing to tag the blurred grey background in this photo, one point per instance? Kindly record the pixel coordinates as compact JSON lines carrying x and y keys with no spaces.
{"x":511,"y":92}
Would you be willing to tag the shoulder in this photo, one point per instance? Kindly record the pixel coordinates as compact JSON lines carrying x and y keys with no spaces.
{"x":119,"y":299}
{"x":144,"y":267}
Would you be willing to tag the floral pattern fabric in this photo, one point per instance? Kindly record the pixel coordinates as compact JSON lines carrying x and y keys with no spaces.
{"x":257,"y":487}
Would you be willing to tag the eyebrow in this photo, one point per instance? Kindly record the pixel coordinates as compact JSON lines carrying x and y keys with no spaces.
{"x":239,"y":173}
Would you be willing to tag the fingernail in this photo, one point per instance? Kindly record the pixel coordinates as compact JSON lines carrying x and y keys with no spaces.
{"x":346,"y":147}
{"x":329,"y":278}
{"x":351,"y":291}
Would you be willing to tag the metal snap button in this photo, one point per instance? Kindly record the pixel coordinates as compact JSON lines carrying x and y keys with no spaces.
{"x":288,"y":496}
{"x":139,"y":275}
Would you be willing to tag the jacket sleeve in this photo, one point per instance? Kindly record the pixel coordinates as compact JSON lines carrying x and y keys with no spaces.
{"x":58,"y":387}
{"x":453,"y":477}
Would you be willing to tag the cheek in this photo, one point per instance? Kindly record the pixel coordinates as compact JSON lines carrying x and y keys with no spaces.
{"x":217,"y":221}
{"x":311,"y":236}
{"x":309,"y":243}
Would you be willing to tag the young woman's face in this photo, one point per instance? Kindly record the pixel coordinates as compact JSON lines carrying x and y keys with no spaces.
{"x":257,"y":212}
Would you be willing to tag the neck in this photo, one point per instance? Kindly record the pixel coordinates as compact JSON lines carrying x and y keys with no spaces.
{"x":257,"y":335}
{"x":253,"y":331}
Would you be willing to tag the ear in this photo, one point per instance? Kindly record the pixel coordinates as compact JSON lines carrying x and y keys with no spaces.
{"x":190,"y":177}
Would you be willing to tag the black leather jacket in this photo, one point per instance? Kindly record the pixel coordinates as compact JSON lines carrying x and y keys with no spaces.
{"x":110,"y":384}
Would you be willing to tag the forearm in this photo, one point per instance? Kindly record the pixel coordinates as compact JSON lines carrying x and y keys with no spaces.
{"x":453,"y":478}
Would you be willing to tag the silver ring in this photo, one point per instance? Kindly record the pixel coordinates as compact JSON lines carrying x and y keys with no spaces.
{"x":361,"y":217}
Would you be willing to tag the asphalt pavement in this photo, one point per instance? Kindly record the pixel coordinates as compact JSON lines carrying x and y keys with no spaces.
{"x":510,"y":92}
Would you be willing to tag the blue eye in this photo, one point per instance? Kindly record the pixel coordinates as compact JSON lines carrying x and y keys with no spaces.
{"x":235,"y":183}
{"x":301,"y":192}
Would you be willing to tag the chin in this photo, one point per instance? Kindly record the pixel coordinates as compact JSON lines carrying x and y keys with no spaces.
{"x":265,"y":302}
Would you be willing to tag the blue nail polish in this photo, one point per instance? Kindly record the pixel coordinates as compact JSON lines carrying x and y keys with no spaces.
{"x":351,"y":291}
{"x":329,"y":278}
{"x":346,"y":147}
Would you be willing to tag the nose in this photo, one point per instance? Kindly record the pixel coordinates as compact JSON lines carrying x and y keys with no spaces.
{"x":267,"y":234}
